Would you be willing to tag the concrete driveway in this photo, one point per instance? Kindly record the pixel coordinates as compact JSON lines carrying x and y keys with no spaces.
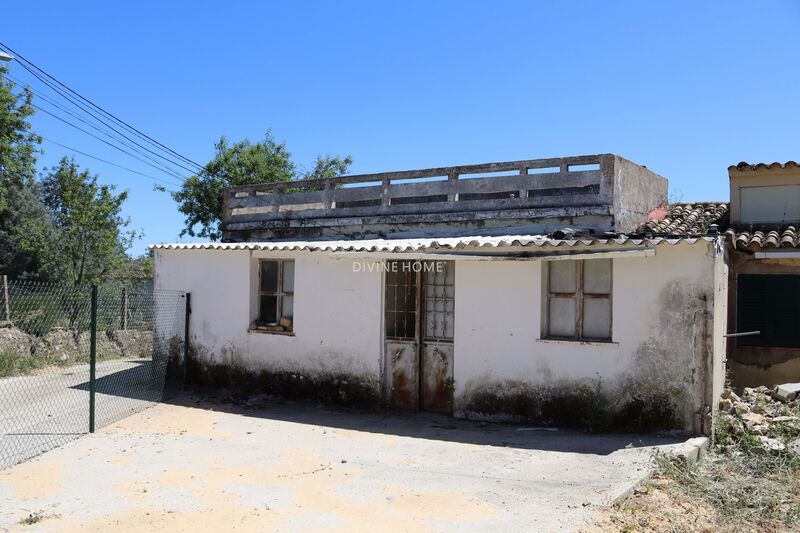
{"x":196,"y":466}
{"x":45,"y":410}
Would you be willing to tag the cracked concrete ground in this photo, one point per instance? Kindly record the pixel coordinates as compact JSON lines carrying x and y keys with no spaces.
{"x":196,"y":465}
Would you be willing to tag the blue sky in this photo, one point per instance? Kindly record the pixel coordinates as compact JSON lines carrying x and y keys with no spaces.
{"x":683,"y":88}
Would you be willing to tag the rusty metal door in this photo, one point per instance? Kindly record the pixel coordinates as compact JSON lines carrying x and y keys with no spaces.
{"x":438,"y":313}
{"x":402,"y":306}
{"x":419,"y":318}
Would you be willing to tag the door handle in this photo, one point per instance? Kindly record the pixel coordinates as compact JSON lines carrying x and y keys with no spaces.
{"x":441,"y":354}
{"x":396,"y":356}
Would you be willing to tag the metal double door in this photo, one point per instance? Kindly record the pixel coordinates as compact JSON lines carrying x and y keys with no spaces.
{"x":419,"y":325}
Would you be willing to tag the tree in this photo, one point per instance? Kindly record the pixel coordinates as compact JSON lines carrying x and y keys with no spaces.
{"x":329,"y":167}
{"x":88,"y":236}
{"x":24,"y":228}
{"x":241,"y":163}
{"x":19,"y":207}
{"x":18,"y":144}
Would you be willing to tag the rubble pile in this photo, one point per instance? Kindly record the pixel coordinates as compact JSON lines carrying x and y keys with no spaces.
{"x":768,"y":418}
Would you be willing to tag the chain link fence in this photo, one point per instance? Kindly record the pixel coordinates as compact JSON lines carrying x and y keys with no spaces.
{"x":73,"y":359}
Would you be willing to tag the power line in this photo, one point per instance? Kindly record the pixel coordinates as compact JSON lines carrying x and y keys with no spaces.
{"x":105,"y":141}
{"x":81,"y":119}
{"x":23,"y":60}
{"x":102,"y":121}
{"x":77,"y":117}
{"x":156,"y":164}
{"x":108,"y":162}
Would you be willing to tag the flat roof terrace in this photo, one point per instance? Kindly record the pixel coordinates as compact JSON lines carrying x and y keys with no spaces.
{"x":535,"y":196}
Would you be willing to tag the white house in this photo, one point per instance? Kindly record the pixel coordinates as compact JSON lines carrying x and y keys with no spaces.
{"x":525,"y":291}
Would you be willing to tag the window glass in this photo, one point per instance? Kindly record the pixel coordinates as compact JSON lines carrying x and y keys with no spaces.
{"x":287,"y":306}
{"x":596,"y":318}
{"x":563,"y":276}
{"x":269,"y":276}
{"x":268,"y":309}
{"x":288,"y":276}
{"x":562,"y":317}
{"x":579,"y":299}
{"x":597,"y":276}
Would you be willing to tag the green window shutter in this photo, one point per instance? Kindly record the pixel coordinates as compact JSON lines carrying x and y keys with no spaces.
{"x":769,"y":304}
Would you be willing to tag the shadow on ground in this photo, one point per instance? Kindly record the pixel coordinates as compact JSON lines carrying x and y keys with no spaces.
{"x":429,"y":426}
{"x":138,"y":379}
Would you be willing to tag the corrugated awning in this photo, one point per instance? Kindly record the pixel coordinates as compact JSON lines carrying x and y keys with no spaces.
{"x":430,"y":244}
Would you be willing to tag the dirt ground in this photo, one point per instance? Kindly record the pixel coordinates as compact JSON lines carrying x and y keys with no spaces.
{"x":197,"y":465}
{"x":659,"y":505}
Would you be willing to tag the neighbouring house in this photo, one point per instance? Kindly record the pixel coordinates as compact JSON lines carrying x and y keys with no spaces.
{"x":761,"y":234}
{"x":764,"y":273}
{"x":560,"y":291}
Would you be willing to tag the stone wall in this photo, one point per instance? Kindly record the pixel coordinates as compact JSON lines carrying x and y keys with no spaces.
{"x":69,"y":345}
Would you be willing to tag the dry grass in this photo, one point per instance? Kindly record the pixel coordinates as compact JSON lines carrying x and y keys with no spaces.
{"x":736,"y":487}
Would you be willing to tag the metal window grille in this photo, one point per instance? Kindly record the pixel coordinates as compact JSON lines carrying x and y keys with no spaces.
{"x":401,"y":300}
{"x":440,"y":300}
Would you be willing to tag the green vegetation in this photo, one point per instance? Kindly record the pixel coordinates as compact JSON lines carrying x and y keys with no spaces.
{"x":18,"y":364}
{"x":64,"y":225}
{"x":31,"y":519}
{"x":748,"y":481}
{"x":242,"y":163}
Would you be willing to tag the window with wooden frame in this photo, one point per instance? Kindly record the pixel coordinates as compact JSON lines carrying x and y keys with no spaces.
{"x":275,"y":295}
{"x":579,"y":300}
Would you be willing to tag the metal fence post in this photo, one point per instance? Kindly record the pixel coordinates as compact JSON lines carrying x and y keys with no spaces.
{"x":7,"y":305}
{"x":93,"y":359}
{"x":124,"y":320}
{"x":186,"y":338}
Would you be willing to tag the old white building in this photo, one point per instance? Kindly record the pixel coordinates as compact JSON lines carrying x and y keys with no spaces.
{"x":529,"y":290}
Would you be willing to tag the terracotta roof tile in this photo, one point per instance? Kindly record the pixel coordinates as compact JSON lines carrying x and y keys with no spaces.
{"x":696,"y":219}
{"x":685,"y":219}
{"x":757,"y":166}
{"x":763,"y":237}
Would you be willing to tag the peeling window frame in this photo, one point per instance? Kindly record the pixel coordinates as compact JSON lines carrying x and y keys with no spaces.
{"x":578,"y":296}
{"x":274,"y":327}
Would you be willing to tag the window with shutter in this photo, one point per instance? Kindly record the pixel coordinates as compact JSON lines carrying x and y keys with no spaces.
{"x":769,"y":304}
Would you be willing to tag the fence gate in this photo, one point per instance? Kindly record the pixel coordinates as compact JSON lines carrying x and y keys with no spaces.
{"x":73,"y":359}
{"x":419,"y":319}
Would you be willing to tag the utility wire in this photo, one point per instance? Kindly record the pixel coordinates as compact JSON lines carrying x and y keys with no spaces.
{"x":102,"y":121}
{"x":109,"y":162}
{"x":156,"y":164}
{"x":142,"y":135}
{"x":102,"y":140}
{"x":78,"y":117}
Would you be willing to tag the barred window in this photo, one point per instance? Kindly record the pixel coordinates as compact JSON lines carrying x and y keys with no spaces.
{"x":579,"y":299}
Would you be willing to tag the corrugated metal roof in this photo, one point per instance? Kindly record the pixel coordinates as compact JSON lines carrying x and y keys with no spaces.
{"x":416,"y":245}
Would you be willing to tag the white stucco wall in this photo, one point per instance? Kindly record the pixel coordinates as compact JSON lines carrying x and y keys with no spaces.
{"x":662,"y":320}
{"x":660,"y":323}
{"x":337,"y":325}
